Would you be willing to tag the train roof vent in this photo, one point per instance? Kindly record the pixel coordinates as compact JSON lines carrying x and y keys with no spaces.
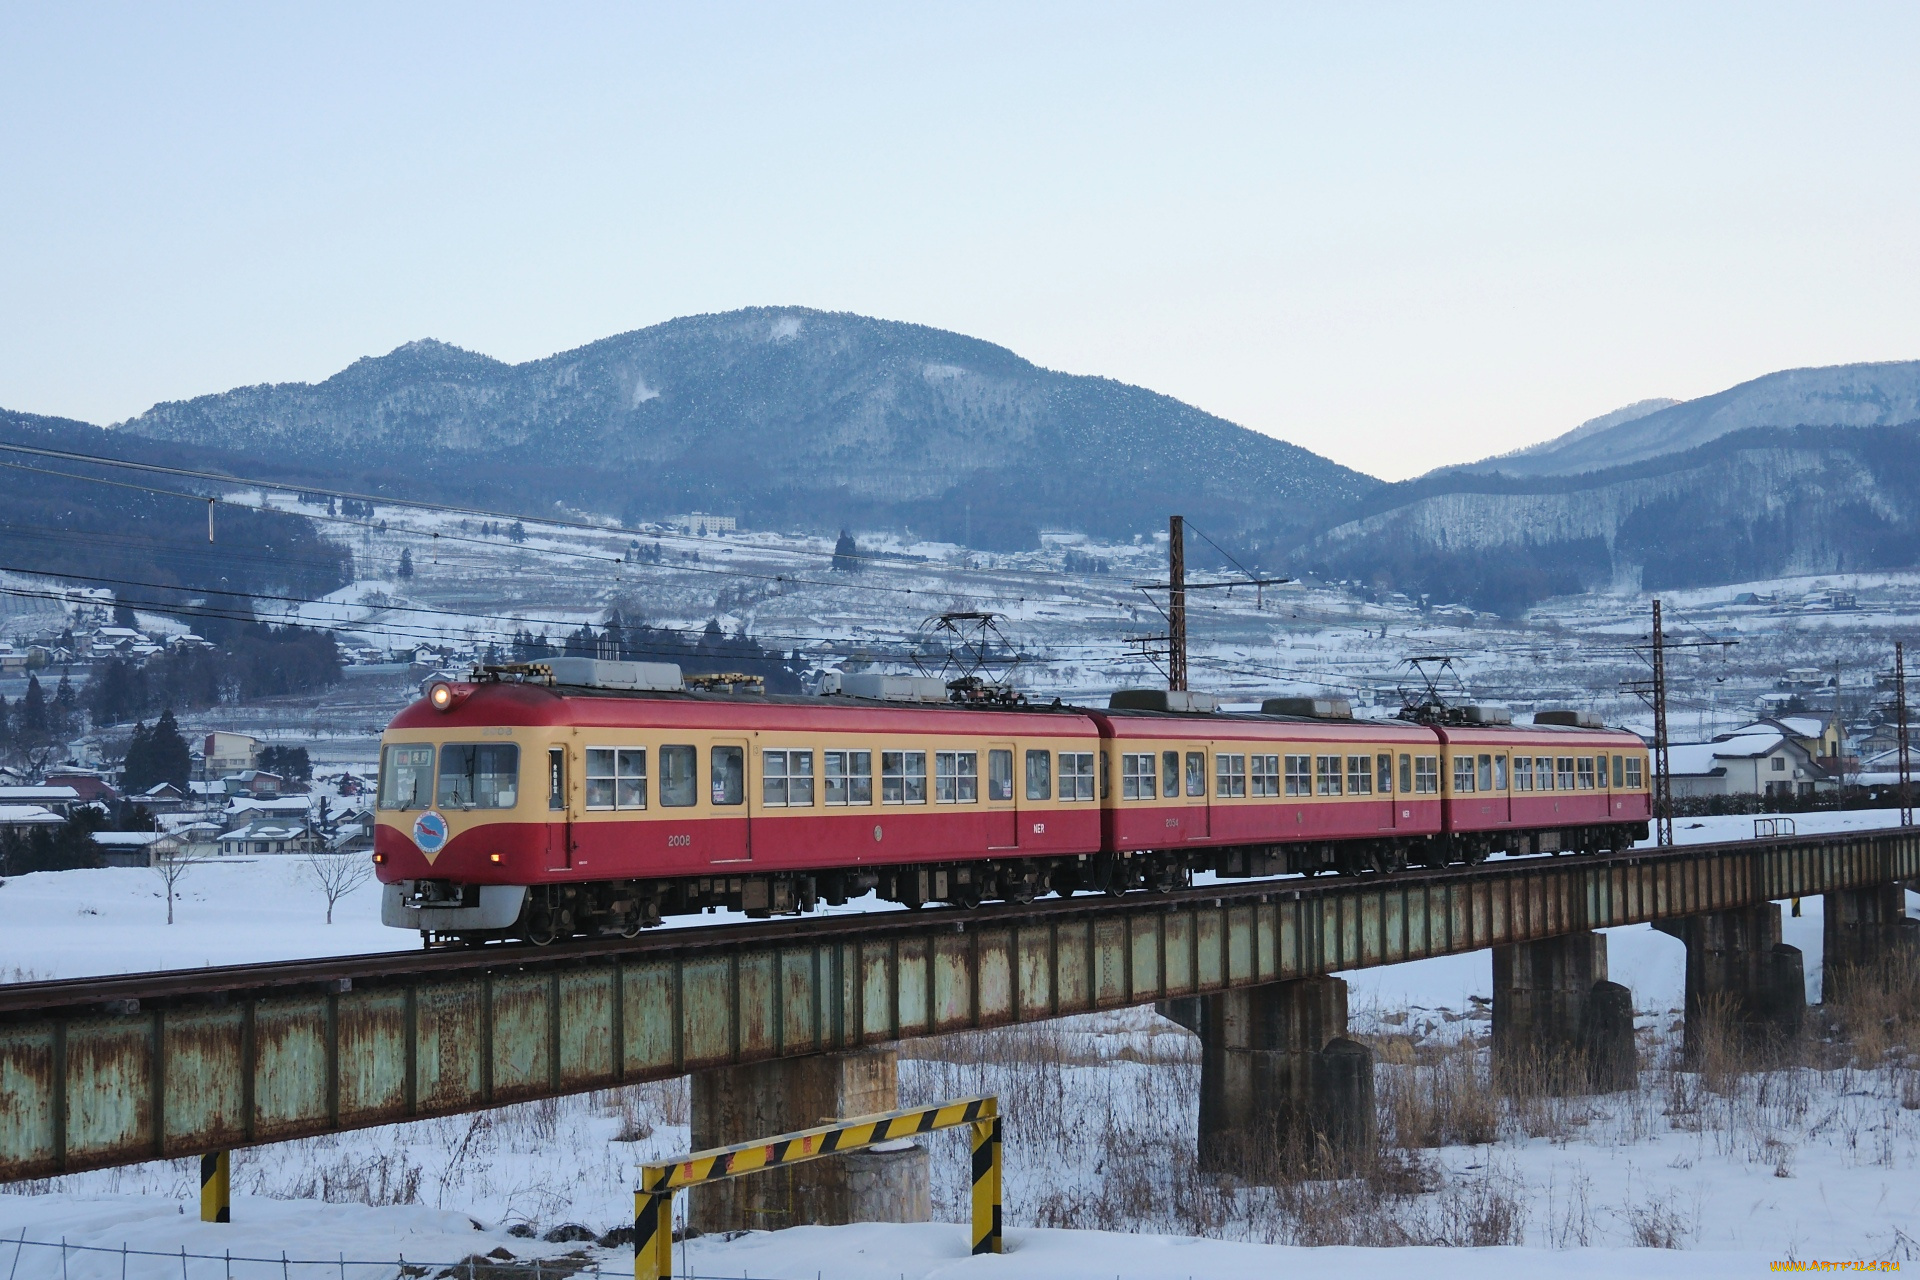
{"x":870,"y":684}
{"x":1313,"y":708}
{"x":1185,"y":701}
{"x":1570,"y":718}
{"x":600,"y":673}
{"x":1482,"y":714}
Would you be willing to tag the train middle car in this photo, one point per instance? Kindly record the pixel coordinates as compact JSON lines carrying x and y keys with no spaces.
{"x":537,"y":809}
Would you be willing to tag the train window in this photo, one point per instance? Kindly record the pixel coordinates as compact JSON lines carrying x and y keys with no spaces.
{"x":786,"y":779}
{"x":1633,"y":771}
{"x":1543,"y":773}
{"x":1486,"y":773}
{"x":678,"y":786}
{"x":849,"y":777}
{"x":1106,"y":780}
{"x":1299,"y":775}
{"x":482,"y":776}
{"x":1406,"y":774}
{"x":903,"y":777}
{"x":557,"y":778}
{"x":1565,"y":771}
{"x":1426,"y":775}
{"x":1230,"y":776}
{"x":1462,"y":775}
{"x":1600,"y":762}
{"x":1385,"y":782}
{"x":1196,"y":773}
{"x":1586,"y":773}
{"x":1619,"y":775}
{"x":1523,"y":773}
{"x":1326,"y":771}
{"x":406,"y":777}
{"x":1170,"y":773}
{"x":956,"y":777}
{"x":1039,"y":775}
{"x":616,"y":778}
{"x":1265,"y":775}
{"x":1359,"y":776}
{"x":729,"y":778}
{"x":999,"y":775}
{"x":1076,"y":775}
{"x":1499,"y":773}
{"x":1136,"y":776}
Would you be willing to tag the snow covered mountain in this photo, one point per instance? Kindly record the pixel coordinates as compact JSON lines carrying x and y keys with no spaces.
{"x":782,"y":417}
{"x":1846,"y":395}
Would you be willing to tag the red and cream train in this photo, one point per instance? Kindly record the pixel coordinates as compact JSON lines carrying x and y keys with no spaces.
{"x":595,"y":797}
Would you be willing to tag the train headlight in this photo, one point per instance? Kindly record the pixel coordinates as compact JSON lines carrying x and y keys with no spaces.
{"x":441,"y":696}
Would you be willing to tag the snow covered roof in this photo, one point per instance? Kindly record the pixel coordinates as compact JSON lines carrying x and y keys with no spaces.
{"x":1700,"y":759}
{"x":45,"y":795}
{"x":126,"y":839}
{"x":28,"y":815}
{"x":267,"y":830}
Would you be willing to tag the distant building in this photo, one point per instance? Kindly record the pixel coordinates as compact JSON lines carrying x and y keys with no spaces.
{"x":268,"y":835}
{"x":59,"y":800}
{"x":700,"y":524}
{"x":133,"y":848}
{"x":90,"y":787}
{"x":229,"y":753}
{"x":1759,"y":763}
{"x":257,"y":783}
{"x":25,"y":817}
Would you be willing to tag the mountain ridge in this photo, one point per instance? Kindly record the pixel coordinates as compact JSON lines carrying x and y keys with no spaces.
{"x":784,"y":415}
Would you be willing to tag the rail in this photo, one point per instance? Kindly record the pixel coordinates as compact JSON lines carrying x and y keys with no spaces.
{"x":108,"y":1071}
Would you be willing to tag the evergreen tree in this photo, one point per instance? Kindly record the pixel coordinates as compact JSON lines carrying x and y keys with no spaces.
{"x":66,"y":707}
{"x":517,"y":532}
{"x":157,"y":755}
{"x":123,"y":617}
{"x":846,"y":554}
{"x":406,"y":564}
{"x":136,"y":771}
{"x":33,"y":712}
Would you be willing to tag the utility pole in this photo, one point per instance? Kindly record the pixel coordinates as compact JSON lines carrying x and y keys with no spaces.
{"x":1176,"y":603}
{"x":1900,"y":721}
{"x":1662,"y":774}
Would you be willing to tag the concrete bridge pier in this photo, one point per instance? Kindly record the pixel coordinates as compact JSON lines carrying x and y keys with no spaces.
{"x":1280,"y":1083}
{"x":740,"y":1104}
{"x":1862,"y":929}
{"x":1737,"y":963}
{"x":1559,"y":1025}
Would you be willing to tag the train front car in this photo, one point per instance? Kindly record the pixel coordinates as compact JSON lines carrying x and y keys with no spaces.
{"x":584,"y":797}
{"x":1301,"y":787}
{"x":1565,"y":784}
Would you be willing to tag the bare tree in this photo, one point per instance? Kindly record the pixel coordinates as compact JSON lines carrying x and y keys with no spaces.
{"x":172,"y":868}
{"x":337,"y":874}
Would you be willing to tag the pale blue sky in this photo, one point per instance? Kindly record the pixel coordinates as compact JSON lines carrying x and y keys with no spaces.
{"x":1397,"y":235}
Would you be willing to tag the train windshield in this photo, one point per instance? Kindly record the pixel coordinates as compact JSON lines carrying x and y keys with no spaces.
{"x":406,"y":777}
{"x":479,"y":776}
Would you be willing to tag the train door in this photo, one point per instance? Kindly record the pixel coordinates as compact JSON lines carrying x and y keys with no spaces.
{"x":1383,"y":787}
{"x":727,"y":793}
{"x":559,"y":812}
{"x":1003,"y":813}
{"x":1502,"y":788}
{"x":1195,"y":821}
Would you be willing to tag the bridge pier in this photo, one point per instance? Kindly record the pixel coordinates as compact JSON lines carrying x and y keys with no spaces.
{"x":1737,"y":963}
{"x":1280,"y":1082}
{"x":1558,"y":1024}
{"x":1861,"y":930}
{"x":739,"y":1104}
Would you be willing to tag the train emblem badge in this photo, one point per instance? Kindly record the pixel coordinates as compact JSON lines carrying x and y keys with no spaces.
{"x":430,"y":832}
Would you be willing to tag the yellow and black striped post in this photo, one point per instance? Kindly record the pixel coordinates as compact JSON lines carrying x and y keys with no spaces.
{"x":986,"y":1186}
{"x":653,"y":1200}
{"x":216,"y":1189}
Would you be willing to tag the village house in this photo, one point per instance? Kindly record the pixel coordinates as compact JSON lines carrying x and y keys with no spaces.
{"x":225,"y":753}
{"x":1763,"y":763}
{"x":269,"y":835}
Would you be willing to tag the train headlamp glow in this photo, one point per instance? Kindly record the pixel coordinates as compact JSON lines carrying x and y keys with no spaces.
{"x":441,"y":696}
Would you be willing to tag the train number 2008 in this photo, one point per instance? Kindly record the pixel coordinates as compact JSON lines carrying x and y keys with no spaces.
{"x":679,"y":842}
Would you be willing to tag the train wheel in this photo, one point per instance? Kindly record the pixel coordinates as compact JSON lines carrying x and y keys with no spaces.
{"x":630,"y":925}
{"x":967,"y":897}
{"x":540,"y":928}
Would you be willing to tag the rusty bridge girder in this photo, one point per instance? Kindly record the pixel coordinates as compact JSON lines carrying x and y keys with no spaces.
{"x":110,"y":1071}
